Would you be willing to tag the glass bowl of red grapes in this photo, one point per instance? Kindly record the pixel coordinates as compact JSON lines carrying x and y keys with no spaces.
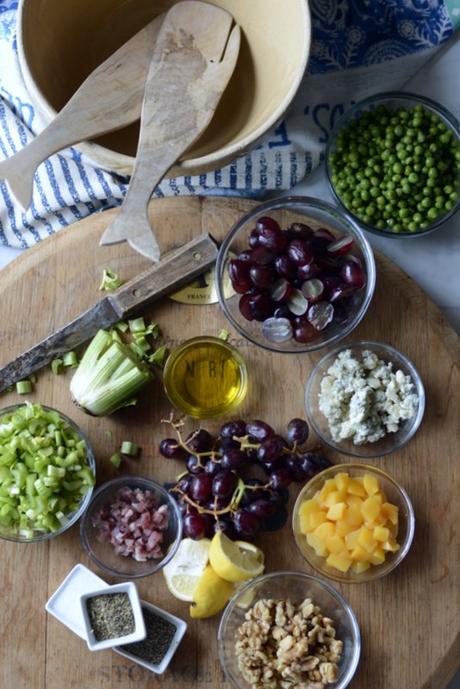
{"x":302,"y":275}
{"x":237,"y":480}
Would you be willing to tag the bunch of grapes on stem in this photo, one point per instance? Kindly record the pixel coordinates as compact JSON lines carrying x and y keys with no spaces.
{"x":217,"y":491}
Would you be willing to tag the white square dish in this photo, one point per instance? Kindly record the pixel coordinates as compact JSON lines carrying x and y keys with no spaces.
{"x":139,"y":632}
{"x":64,"y":603}
{"x":181,"y":628}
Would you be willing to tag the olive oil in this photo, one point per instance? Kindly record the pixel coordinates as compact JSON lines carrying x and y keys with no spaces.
{"x":205,"y":377}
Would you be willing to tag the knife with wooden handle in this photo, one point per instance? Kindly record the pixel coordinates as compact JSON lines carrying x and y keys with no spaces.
{"x":175,"y":270}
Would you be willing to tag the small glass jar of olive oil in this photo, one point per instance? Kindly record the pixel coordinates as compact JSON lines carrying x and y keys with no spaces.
{"x":205,"y":377}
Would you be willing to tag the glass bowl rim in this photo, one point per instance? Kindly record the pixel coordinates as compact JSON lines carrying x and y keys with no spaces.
{"x":399,"y":555}
{"x":284,"y":202}
{"x":396,"y":354}
{"x":48,"y":535}
{"x":340,"y":599}
{"x":432,"y":106}
{"x":123,"y":480}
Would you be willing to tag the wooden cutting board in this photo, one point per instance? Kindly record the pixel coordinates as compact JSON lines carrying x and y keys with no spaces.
{"x":409,"y":620}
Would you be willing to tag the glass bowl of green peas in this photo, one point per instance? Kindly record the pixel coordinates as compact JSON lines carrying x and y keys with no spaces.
{"x":393,"y":163}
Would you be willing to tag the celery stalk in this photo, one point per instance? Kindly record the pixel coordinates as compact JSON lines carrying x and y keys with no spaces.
{"x":109,"y":374}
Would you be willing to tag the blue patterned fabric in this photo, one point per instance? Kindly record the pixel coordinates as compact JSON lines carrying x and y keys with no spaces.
{"x":359,"y":47}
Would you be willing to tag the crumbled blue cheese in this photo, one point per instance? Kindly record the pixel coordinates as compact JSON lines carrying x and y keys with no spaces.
{"x":364,"y":400}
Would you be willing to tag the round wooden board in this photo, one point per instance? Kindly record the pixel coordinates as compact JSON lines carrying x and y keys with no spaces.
{"x":409,"y":620}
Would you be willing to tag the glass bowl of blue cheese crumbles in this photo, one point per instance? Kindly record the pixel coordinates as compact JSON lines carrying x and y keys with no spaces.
{"x":365,"y":399}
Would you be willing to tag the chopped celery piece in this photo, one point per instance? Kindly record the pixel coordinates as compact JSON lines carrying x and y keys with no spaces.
{"x":224,"y":335}
{"x":122,"y":326}
{"x":116,"y":459}
{"x":129,"y":448}
{"x":108,"y":375}
{"x":70,"y":359}
{"x":137,"y":325}
{"x":110,"y":281}
{"x":56,"y":366}
{"x":23,"y":387}
{"x":158,"y":357}
{"x":38,"y":490}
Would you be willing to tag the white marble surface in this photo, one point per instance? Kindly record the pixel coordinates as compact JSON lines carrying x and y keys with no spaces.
{"x":433,"y":261}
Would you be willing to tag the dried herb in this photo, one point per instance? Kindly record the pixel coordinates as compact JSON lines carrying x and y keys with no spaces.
{"x":160,"y":633}
{"x":110,"y":615}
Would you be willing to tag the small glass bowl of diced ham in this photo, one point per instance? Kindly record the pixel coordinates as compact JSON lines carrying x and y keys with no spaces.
{"x":353,"y":523}
{"x":132,"y":527}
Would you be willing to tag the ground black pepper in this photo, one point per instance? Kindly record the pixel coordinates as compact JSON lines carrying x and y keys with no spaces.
{"x":110,"y":615}
{"x":160,"y":633}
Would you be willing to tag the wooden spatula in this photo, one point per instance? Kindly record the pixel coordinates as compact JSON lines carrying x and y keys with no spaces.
{"x":186,"y":80}
{"x":110,"y":98}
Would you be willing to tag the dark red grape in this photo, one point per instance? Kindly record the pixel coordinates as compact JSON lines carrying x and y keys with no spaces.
{"x":329,"y":265}
{"x":258,"y":430}
{"x":262,"y":509}
{"x":324,"y":234}
{"x":305,"y":333}
{"x":212,"y":468}
{"x":340,"y":246}
{"x":299,"y":252}
{"x":297,"y":302}
{"x":341,"y":292}
{"x":353,"y":274}
{"x":262,"y":276}
{"x":193,"y":464}
{"x":280,"y":290}
{"x":254,"y":238}
{"x":320,"y":461}
{"x":245,"y":256}
{"x":239,"y":275}
{"x":217,"y":503}
{"x":244,"y":306}
{"x":224,"y":483}
{"x":308,"y":271}
{"x":282,"y":311}
{"x":200,"y":488}
{"x":262,"y":306}
{"x":297,"y":431}
{"x":273,"y":239}
{"x":234,"y":459}
{"x":285,"y":267}
{"x":271,"y":449}
{"x":170,"y":449}
{"x":233,"y":429}
{"x":195,"y":526}
{"x":307,"y":467}
{"x":330,"y":282}
{"x":262,"y":256}
{"x":270,"y":467}
{"x":294,"y":464}
{"x":265,"y":222}
{"x":246,"y":523}
{"x":276,"y":521}
{"x":226,"y":526}
{"x":184,"y":483}
{"x":298,"y":230}
{"x":280,"y":496}
{"x":280,"y":478}
{"x":199,"y":441}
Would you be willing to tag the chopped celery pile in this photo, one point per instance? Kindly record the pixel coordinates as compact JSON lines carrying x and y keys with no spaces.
{"x":44,"y":473}
{"x":110,"y":281}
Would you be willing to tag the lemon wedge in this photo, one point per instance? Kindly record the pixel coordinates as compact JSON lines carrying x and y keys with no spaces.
{"x":184,"y":571}
{"x":235,"y":560}
{"x":211,"y":594}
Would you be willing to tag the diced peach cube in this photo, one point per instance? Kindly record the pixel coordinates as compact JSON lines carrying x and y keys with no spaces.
{"x":342,"y":528}
{"x":339,"y":561}
{"x":353,"y":517}
{"x":328,"y":487}
{"x":377,"y":556}
{"x":371,"y":508}
{"x":391,"y":545}
{"x":336,"y":544}
{"x":336,"y":511}
{"x":355,"y":487}
{"x":317,"y":544}
{"x":351,"y":539}
{"x":381,"y":533}
{"x":391,"y":512}
{"x":371,"y":484}
{"x":354,"y":501}
{"x":341,"y":480}
{"x":366,"y":540}
{"x":324,"y":531}
{"x":359,"y":554}
{"x":335,"y":497}
{"x":360,"y":567}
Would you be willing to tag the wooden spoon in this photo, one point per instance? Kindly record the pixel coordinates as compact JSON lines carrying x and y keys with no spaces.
{"x":186,"y":80}
{"x":110,"y":98}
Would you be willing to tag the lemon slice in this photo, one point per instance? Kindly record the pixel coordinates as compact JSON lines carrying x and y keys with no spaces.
{"x":183,"y":572}
{"x":235,"y":560}
{"x":211,"y":594}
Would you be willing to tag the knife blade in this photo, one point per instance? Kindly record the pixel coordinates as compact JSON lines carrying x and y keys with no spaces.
{"x":176,"y":269}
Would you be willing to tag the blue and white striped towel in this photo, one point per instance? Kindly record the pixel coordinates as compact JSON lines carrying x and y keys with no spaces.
{"x":359,"y":47}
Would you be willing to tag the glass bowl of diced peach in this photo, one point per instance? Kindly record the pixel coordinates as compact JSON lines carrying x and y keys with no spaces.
{"x":353,"y":523}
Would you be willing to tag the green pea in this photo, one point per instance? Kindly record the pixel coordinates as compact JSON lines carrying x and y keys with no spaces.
{"x":432,"y":213}
{"x":413,"y":178}
{"x":412,"y":227}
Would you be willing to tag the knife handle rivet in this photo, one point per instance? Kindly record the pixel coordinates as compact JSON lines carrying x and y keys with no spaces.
{"x":197,"y":255}
{"x":136,"y":293}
